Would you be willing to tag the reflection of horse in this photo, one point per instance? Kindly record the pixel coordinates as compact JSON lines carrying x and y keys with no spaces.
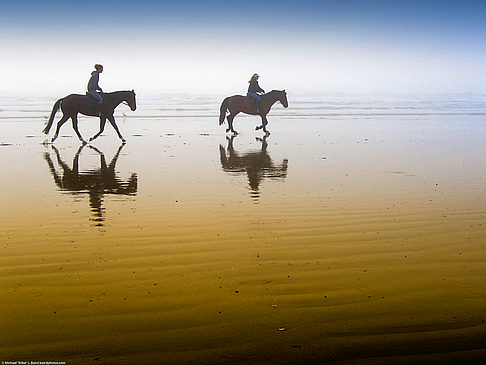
{"x":246,"y":104}
{"x":256,"y":164}
{"x":73,"y":104}
{"x":95,"y":183}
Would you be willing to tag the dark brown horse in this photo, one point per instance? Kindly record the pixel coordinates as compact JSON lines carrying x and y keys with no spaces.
{"x":85,"y":104}
{"x":246,"y":104}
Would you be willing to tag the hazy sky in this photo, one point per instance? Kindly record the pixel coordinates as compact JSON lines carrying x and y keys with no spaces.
{"x":330,"y":46}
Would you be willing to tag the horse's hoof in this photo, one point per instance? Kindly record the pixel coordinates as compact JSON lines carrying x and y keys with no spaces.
{"x":258,"y":127}
{"x":227,"y":130}
{"x":124,"y":141}
{"x":267,"y":133}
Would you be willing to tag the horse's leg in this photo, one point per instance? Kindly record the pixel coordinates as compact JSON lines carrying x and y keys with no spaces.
{"x":111,"y":118}
{"x":74,"y":118}
{"x":59,"y":125}
{"x":229,"y":118}
{"x":264,"y":124}
{"x":102,"y":128}
{"x":230,"y":123}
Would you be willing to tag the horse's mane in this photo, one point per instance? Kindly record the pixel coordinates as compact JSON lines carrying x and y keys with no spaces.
{"x":275,"y":91}
{"x":271,"y":93}
{"x":118,"y":92}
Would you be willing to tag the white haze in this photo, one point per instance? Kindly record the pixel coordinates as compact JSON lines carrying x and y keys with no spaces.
{"x":222,"y":64}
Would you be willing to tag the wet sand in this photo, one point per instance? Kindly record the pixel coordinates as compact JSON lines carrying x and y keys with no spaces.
{"x":348,"y":240}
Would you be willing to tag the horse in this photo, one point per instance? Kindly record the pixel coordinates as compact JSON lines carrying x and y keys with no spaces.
{"x":246,"y":104}
{"x":73,"y":104}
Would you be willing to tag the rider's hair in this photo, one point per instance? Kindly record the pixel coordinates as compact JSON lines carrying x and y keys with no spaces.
{"x":253,"y":77}
{"x":98,"y":66}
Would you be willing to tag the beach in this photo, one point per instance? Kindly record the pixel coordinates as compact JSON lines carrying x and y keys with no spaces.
{"x":354,"y":233}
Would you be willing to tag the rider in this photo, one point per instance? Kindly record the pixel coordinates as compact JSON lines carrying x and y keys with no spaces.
{"x":94,"y":88}
{"x":254,"y":90}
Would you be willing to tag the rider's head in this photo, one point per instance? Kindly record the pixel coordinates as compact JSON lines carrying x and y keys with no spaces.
{"x":99,"y":68}
{"x":254,"y":77}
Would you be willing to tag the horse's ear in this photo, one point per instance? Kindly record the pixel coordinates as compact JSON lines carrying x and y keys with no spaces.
{"x":284,"y":91}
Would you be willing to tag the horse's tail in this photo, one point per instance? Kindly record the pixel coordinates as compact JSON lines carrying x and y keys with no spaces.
{"x":222,"y":110}
{"x":55,"y":109}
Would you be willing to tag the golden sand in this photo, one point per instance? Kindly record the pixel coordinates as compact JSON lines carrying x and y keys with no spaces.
{"x":339,"y":258}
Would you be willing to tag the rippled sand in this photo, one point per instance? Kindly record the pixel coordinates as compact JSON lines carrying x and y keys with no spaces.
{"x":351,"y":241}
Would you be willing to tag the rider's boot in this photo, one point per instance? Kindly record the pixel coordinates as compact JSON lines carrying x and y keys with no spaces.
{"x":98,"y":110}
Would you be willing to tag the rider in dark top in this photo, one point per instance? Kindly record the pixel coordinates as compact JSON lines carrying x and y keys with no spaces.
{"x":94,"y":89}
{"x":254,"y":90}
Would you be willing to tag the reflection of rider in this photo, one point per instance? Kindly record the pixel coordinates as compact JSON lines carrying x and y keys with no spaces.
{"x":254,"y":90}
{"x":94,"y":88}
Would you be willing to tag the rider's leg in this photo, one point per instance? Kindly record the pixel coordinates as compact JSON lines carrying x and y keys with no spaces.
{"x":257,"y":99}
{"x":98,"y":97}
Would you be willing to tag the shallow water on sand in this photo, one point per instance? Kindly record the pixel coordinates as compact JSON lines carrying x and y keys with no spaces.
{"x":355,"y":231}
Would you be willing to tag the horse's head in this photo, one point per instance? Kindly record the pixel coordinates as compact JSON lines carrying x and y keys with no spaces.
{"x":283,"y":99}
{"x":132,"y":103}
